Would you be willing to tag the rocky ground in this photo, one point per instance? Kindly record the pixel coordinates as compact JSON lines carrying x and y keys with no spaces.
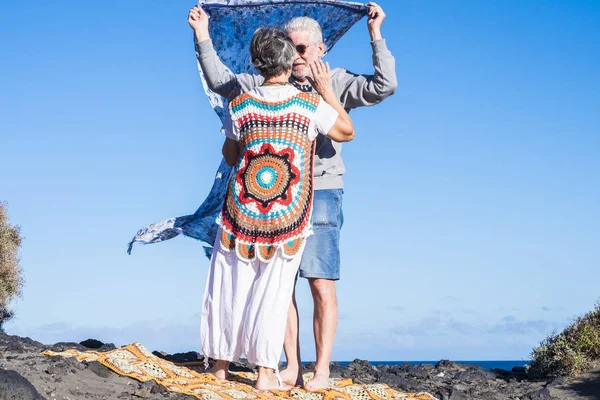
{"x":449,"y":381}
{"x":26,"y":374}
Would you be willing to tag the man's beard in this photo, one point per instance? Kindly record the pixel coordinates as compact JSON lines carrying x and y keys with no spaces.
{"x":300,"y":73}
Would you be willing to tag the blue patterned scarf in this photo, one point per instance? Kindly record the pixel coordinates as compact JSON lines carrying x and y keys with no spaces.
{"x":232,"y":24}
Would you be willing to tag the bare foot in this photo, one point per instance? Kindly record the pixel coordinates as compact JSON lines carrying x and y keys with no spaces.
{"x":319,"y":382}
{"x":267,"y":380}
{"x":292,"y":377}
{"x":220,"y":370}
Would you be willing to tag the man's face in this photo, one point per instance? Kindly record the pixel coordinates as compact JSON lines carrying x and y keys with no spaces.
{"x":308,"y":53}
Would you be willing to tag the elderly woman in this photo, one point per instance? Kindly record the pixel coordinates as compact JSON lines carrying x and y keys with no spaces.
{"x":266,"y":216}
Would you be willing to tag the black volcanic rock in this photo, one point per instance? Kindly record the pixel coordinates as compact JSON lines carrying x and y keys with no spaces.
{"x":97,"y":345}
{"x":542,"y":394}
{"x":445,"y":365}
{"x":242,"y":366}
{"x":474,"y":374}
{"x":92,"y":344}
{"x":11,"y":343}
{"x":360,"y":371}
{"x":63,"y":346}
{"x":98,"y":369}
{"x":14,"y":386}
{"x":177,"y":358}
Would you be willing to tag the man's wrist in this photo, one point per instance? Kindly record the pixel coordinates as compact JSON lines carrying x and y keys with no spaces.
{"x":201,"y":35}
{"x":375,"y":34}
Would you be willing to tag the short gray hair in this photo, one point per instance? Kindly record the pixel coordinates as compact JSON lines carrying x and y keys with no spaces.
{"x":305,"y":24}
{"x":272,"y":52}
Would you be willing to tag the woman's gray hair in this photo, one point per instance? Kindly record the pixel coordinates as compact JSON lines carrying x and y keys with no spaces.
{"x":305,"y":24}
{"x":272,"y":52}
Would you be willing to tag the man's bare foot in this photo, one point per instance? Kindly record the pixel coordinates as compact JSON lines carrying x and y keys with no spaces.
{"x":267,"y":380}
{"x":319,"y":381}
{"x":292,"y":376}
{"x":220,"y":370}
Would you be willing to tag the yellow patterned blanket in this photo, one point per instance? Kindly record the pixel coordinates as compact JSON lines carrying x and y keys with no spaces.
{"x":138,"y":363}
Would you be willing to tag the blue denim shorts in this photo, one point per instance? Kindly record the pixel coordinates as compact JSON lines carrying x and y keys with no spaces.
{"x":321,"y":257}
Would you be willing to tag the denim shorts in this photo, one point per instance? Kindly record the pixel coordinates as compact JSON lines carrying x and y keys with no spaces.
{"x":321,"y":257}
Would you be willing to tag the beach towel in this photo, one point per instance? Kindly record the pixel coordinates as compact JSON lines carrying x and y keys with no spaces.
{"x":136,"y":362}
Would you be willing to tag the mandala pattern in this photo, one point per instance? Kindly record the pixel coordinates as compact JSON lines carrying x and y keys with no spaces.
{"x":138,"y":363}
{"x":268,"y":177}
{"x":269,"y":201}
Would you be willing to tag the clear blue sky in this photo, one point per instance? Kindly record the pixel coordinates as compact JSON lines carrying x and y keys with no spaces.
{"x":471,"y":205}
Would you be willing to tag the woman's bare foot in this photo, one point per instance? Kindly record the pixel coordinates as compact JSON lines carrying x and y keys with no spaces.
{"x":320,"y":381}
{"x":267,"y":380}
{"x":220,"y":370}
{"x":292,"y":376}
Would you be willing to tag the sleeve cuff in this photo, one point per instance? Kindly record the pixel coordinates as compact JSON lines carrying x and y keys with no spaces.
{"x":227,"y":131}
{"x":205,"y":47}
{"x":379,"y":46}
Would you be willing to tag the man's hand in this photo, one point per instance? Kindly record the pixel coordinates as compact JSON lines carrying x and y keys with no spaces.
{"x":198,"y":21}
{"x":321,"y":79}
{"x":375,"y":20}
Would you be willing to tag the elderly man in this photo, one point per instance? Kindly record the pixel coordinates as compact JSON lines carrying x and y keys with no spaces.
{"x":321,"y":259}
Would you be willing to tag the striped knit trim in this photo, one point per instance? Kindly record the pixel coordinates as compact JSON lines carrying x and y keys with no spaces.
{"x":253,"y":121}
{"x":307,"y":231}
{"x":309,"y":99}
{"x":300,"y":102}
{"x":274,"y":107}
{"x":295,"y":110}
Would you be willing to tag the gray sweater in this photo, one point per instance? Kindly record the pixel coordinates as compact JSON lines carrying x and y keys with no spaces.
{"x":353,"y":91}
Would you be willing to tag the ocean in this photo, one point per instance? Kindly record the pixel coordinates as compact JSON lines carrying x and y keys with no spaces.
{"x":502,"y":364}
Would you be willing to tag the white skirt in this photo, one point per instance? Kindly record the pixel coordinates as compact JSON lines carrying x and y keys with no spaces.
{"x":245,"y":307}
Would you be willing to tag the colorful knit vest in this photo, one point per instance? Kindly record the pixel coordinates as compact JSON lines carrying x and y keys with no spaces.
{"x":268,"y":205}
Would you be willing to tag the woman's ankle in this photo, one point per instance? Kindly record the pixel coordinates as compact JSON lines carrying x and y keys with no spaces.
{"x":266,"y":372}
{"x":221,"y":364}
{"x":220,"y":369}
{"x":269,"y":379}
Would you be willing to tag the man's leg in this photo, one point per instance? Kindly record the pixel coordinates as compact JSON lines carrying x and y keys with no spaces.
{"x":292,"y":374}
{"x":325,"y":319}
{"x":321,"y":266}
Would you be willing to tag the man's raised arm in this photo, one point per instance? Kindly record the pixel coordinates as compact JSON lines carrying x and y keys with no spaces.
{"x":218,"y":78}
{"x":367,"y":90}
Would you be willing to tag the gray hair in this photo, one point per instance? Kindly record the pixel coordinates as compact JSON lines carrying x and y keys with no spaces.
{"x":305,"y":24}
{"x":272,"y":52}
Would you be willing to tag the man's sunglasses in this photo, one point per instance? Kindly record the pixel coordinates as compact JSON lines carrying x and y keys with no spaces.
{"x":301,"y":48}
